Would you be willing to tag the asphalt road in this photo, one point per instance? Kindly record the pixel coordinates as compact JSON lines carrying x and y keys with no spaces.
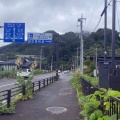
{"x":6,"y":84}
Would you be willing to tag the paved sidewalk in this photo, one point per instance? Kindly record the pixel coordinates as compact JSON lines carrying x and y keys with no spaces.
{"x":58,"y":94}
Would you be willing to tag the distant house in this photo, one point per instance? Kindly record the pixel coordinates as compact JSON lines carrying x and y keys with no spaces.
{"x":26,"y":64}
{"x":11,"y":66}
{"x":8,"y":66}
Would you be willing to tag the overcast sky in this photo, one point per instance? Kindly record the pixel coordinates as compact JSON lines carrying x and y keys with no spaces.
{"x":58,"y":15}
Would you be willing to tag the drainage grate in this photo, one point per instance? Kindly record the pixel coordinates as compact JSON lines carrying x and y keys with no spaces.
{"x":56,"y":110}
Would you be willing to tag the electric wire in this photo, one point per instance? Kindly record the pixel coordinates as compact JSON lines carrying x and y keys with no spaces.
{"x":97,"y":24}
{"x":91,"y":15}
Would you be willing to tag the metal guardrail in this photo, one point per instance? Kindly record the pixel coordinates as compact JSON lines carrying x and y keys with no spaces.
{"x":88,"y":89}
{"x":7,"y":96}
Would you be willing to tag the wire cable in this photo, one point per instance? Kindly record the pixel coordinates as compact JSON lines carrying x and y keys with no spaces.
{"x":97,"y":24}
{"x":101,"y":16}
{"x":91,"y":14}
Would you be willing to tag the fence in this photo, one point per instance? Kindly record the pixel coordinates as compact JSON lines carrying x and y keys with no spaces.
{"x":88,"y":88}
{"x":7,"y":96}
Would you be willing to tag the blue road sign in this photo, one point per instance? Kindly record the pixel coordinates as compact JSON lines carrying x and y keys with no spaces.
{"x":14,"y":32}
{"x":39,"y":38}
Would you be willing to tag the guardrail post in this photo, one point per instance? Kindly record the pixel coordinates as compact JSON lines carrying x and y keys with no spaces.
{"x":47,"y":81}
{"x":52,"y":79}
{"x":117,"y":110}
{"x":9,"y":98}
{"x":44,"y":83}
{"x":39,"y":85}
{"x":24,"y":89}
{"x":33,"y":86}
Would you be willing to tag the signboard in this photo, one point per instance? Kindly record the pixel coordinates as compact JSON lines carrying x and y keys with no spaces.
{"x":39,"y":38}
{"x":14,"y":32}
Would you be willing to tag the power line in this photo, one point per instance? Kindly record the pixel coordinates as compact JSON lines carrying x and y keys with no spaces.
{"x":105,"y":8}
{"x":91,"y":14}
{"x":97,"y":24}
{"x":102,"y":15}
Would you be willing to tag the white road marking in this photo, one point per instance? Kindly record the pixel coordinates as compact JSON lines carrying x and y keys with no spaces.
{"x":7,"y":85}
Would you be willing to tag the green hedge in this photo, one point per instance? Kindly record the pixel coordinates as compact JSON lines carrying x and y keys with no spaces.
{"x":7,"y":74}
{"x":93,"y":80}
{"x":37,"y":72}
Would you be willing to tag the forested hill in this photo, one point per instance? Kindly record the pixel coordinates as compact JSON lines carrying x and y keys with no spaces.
{"x":68,"y":43}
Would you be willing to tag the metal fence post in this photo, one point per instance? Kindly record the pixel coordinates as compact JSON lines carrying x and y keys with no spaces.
{"x":52,"y":79}
{"x":33,"y":87}
{"x":39,"y":85}
{"x":44,"y":83}
{"x":47,"y":81}
{"x":9,"y":98}
{"x":24,"y":89}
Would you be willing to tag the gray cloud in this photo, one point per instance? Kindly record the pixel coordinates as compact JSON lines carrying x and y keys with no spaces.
{"x":58,"y":15}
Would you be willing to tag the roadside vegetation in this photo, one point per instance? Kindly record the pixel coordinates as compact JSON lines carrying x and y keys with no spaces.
{"x":7,"y":74}
{"x":37,"y":72}
{"x":28,"y":90}
{"x":90,"y":105}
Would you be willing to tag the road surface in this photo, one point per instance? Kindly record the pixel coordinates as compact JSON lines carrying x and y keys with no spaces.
{"x":6,"y":84}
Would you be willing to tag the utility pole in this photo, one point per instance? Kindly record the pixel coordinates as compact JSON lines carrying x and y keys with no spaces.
{"x":52,"y":63}
{"x":81,"y":42}
{"x":41,"y":57}
{"x":113,"y":31}
{"x":75,"y":62}
{"x":96,"y":61}
{"x":57,"y":56}
{"x":105,"y":32}
{"x":77,"y":58}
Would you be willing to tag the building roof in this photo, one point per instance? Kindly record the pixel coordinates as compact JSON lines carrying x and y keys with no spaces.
{"x":26,"y":63}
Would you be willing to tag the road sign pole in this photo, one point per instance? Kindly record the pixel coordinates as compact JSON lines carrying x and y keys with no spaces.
{"x":57,"y":56}
{"x":41,"y":57}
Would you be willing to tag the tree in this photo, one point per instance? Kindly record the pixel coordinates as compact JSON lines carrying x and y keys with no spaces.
{"x":19,"y":62}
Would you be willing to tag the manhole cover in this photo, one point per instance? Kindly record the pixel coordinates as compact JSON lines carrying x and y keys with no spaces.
{"x":56,"y":110}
